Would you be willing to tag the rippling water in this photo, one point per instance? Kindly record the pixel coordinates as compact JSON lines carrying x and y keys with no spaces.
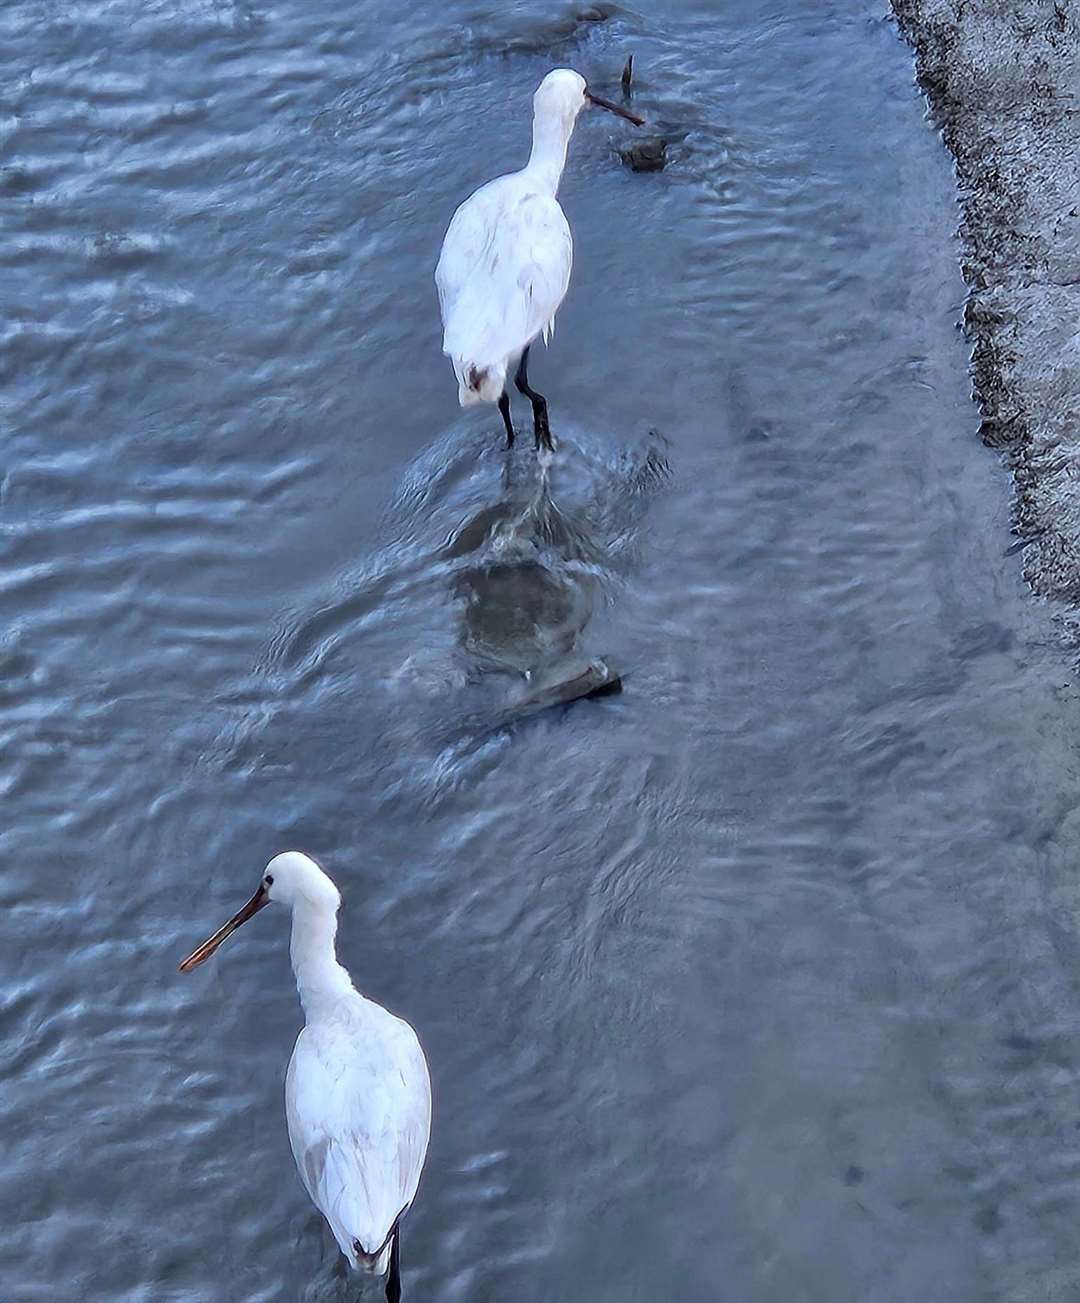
{"x":757,"y":982}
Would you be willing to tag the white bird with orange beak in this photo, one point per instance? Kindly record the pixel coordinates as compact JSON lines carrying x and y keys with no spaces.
{"x":506,"y":257}
{"x":357,"y":1093}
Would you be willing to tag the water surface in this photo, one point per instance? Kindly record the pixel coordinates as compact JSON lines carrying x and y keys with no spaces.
{"x":756,"y":983}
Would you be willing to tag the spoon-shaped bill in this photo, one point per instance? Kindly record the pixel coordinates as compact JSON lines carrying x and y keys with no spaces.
{"x":201,"y":953}
{"x":615,"y":108}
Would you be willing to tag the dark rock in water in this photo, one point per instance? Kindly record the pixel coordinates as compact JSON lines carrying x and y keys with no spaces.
{"x":646,"y":155}
{"x":560,"y":686}
{"x":595,"y":13}
{"x":520,"y":612}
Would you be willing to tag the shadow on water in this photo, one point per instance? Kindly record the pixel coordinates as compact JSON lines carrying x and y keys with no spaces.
{"x":477,"y":610}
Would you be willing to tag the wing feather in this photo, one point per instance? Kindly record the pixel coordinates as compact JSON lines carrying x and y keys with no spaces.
{"x":358,"y":1106}
{"x":503,"y":272}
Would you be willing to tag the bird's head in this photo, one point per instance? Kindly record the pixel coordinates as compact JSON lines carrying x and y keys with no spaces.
{"x":291,"y":878}
{"x":564,"y":93}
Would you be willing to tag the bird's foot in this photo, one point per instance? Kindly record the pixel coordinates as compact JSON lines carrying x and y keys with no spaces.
{"x":543,"y":436}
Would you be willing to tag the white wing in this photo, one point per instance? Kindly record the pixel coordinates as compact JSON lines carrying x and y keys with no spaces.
{"x":358,"y":1105}
{"x":503,"y":271}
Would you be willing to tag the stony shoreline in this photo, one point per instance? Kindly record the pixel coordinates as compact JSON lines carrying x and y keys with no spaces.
{"x":1003,"y":81}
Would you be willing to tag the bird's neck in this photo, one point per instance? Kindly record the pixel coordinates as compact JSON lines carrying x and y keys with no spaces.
{"x":320,"y":979}
{"x":551,"y":137}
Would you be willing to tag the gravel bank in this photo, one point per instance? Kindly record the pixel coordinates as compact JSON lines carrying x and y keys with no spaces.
{"x":1003,"y":79}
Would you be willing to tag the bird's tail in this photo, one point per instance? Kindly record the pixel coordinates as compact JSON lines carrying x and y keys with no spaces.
{"x":377,"y":1263}
{"x":479,"y":382}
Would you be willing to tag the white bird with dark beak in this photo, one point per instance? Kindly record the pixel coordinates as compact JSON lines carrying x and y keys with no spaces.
{"x":506,"y":257}
{"x":357,"y":1093}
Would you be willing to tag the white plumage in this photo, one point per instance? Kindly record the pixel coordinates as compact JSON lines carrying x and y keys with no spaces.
{"x":357,"y":1093}
{"x":358,"y":1106}
{"x":505,"y":263}
{"x":504,"y":271}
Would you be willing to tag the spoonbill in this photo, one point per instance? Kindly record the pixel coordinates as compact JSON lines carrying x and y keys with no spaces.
{"x":505,"y":262}
{"x":357,"y":1093}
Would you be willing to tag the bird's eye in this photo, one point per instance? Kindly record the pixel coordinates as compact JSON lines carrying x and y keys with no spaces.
{"x":269,"y":879}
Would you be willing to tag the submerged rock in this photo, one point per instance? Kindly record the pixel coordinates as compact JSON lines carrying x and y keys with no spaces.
{"x":562,"y":685}
{"x":519,"y":612}
{"x":646,"y":155}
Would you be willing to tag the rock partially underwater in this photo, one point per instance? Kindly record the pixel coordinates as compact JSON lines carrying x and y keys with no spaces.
{"x":646,"y":155}
{"x":528,"y":590}
{"x":562,"y":686}
{"x":476,"y":611}
{"x":520,"y":613}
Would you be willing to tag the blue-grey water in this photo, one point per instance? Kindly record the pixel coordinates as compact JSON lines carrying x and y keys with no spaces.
{"x":758,"y":983}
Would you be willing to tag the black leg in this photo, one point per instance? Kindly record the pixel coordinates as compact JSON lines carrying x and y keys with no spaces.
{"x":539,"y":404}
{"x":504,"y":408}
{"x":393,"y":1279}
